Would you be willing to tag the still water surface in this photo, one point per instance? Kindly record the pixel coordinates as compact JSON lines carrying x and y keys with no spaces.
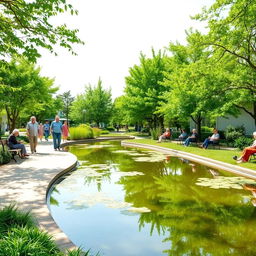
{"x":124,"y":202}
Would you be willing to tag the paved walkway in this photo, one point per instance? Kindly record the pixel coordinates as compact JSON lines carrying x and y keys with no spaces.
{"x":26,"y":183}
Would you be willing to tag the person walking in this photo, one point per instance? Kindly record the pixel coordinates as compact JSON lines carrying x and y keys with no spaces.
{"x":46,"y":130}
{"x":40,"y":131}
{"x":56,"y":129}
{"x":32,"y":132}
{"x":65,"y":131}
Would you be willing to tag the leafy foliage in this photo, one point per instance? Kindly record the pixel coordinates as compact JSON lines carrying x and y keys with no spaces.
{"x":28,"y":25}
{"x":143,"y":89}
{"x":242,"y":142}
{"x":81,"y":132}
{"x":22,"y":87}
{"x":93,"y":106}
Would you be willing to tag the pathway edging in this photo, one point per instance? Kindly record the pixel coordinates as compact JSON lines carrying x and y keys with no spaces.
{"x":200,"y":159}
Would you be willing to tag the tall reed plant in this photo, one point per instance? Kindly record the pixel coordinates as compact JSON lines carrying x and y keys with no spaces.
{"x":155,"y":133}
{"x":81,"y":132}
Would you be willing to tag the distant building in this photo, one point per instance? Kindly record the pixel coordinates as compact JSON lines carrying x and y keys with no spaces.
{"x":243,"y":119}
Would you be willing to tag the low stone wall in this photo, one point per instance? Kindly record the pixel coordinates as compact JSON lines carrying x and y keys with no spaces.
{"x":238,"y":170}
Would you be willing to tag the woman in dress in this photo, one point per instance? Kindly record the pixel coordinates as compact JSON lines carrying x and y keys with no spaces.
{"x":65,"y":131}
{"x":40,"y":131}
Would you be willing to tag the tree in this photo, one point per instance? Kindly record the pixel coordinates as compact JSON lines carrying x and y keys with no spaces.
{"x":192,"y":82}
{"x":66,"y":100}
{"x":22,"y":87}
{"x":232,"y":36}
{"x":95,"y":105}
{"x":26,"y":26}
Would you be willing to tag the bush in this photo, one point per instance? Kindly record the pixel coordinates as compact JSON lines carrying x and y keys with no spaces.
{"x":5,"y":155}
{"x":233,"y":133}
{"x":206,"y":129}
{"x":81,"y":132}
{"x":11,"y":217}
{"x":242,"y":142}
{"x":28,"y":241}
{"x":23,"y":138}
{"x":111,"y":129}
{"x":155,"y":133}
{"x":104,"y":132}
{"x":96,"y":132}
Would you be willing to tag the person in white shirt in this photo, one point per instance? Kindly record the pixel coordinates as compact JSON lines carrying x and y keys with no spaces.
{"x":32,"y":132}
{"x":212,"y":139}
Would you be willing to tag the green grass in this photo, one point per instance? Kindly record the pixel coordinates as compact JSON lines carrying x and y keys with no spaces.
{"x":216,"y":154}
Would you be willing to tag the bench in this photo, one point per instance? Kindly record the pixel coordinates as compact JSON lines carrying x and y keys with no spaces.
{"x":214,"y":145}
{"x":13,"y":152}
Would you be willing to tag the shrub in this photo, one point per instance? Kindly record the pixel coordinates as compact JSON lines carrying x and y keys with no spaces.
{"x":5,"y":155}
{"x":11,"y":217}
{"x":206,"y":129}
{"x":233,"y":133}
{"x":104,"y":132}
{"x":81,"y":132}
{"x":111,"y":129}
{"x":28,"y":241}
{"x":23,"y":138}
{"x":155,"y":132}
{"x":242,"y":142}
{"x":96,"y":132}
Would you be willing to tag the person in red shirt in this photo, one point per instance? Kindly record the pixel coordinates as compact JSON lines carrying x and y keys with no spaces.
{"x":165,"y":135}
{"x":247,"y":152}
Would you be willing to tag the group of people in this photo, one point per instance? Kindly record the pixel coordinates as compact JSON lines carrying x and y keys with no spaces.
{"x":35,"y":131}
{"x":213,"y":139}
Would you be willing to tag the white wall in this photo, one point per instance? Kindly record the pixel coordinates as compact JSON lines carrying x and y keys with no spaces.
{"x":243,"y":119}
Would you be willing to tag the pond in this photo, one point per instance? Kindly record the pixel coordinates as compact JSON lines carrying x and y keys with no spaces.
{"x":124,"y":201}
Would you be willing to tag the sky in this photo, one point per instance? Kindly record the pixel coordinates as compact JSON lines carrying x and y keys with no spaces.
{"x":115,"y":32}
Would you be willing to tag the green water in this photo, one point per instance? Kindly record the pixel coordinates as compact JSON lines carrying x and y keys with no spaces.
{"x":124,"y":201}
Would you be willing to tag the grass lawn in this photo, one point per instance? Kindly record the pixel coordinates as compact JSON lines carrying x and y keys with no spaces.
{"x":216,"y":154}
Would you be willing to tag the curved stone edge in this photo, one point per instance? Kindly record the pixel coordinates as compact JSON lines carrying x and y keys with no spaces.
{"x":99,"y":139}
{"x":47,"y":222}
{"x":245,"y":172}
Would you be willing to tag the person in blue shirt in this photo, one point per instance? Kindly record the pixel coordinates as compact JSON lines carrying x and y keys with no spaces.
{"x":56,"y":128}
{"x":46,"y":130}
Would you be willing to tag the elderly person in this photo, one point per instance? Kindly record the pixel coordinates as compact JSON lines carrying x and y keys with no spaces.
{"x":247,"y":152}
{"x":14,"y":144}
{"x":165,"y":135}
{"x":56,"y":129}
{"x":32,"y":132}
{"x":215,"y":138}
{"x":183,"y":135}
{"x":192,"y":138}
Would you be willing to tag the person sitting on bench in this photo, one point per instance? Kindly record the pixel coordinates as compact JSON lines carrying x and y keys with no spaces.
{"x":14,"y":144}
{"x":165,"y":135}
{"x":214,"y":139}
{"x":183,"y":135}
{"x":247,"y":152}
{"x":192,"y":138}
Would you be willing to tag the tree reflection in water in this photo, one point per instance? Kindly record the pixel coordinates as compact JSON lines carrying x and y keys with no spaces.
{"x":193,"y":220}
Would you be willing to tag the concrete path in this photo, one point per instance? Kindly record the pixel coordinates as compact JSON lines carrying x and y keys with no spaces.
{"x":26,"y":183}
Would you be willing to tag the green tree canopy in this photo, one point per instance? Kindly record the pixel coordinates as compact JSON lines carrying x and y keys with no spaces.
{"x":26,"y":26}
{"x":66,"y":100}
{"x":21,"y":88}
{"x":94,"y":106}
{"x":143,"y":90}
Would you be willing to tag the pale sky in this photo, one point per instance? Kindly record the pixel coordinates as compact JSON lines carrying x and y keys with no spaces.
{"x":115,"y":32}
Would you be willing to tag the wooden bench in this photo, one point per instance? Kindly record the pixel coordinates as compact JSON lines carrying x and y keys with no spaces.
{"x":215,"y":144}
{"x":13,"y":152}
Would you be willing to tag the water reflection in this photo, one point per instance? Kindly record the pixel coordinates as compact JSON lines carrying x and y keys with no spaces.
{"x":136,"y":202}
